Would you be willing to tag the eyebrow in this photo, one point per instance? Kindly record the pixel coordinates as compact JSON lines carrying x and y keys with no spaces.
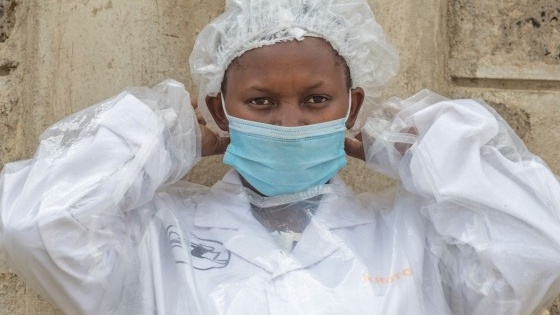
{"x":259,"y":89}
{"x":316,"y":85}
{"x":265,"y":90}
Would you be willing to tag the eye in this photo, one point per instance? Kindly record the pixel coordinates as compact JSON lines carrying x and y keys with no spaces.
{"x":260,"y":101}
{"x":317,"y":99}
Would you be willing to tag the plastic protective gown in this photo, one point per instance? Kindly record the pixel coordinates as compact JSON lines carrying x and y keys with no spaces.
{"x":99,"y":222}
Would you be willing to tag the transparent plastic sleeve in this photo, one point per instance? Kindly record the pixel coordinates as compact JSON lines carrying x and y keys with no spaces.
{"x":68,"y":215}
{"x":492,"y":208}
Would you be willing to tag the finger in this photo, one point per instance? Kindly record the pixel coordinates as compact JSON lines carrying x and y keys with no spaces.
{"x":354,"y":148}
{"x":194,"y":102}
{"x":221,"y":145}
{"x":212,"y":144}
{"x":403,"y":147}
{"x":358,"y":137}
{"x":200,"y":118}
{"x":217,"y":146}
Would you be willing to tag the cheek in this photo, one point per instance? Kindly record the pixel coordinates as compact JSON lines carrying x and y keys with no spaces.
{"x":244,"y":112}
{"x":329,"y":114}
{"x":319,"y":118}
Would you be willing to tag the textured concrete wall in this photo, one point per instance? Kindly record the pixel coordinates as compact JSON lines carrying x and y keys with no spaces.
{"x":508,"y":52}
{"x":57,"y":57}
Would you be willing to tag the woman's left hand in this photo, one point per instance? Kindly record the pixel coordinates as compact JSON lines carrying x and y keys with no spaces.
{"x":354,"y":147}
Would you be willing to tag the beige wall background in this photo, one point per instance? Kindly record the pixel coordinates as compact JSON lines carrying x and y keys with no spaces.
{"x":59,"y":56}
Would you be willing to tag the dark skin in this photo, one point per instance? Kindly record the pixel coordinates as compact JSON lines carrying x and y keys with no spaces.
{"x":291,"y":83}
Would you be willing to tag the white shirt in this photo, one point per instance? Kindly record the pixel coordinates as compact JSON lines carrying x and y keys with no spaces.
{"x":99,"y":222}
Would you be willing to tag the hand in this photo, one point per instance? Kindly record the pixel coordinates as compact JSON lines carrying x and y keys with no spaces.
{"x":212,"y":143}
{"x":354,"y":147}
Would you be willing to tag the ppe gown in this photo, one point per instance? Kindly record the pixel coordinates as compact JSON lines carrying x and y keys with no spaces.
{"x":99,"y":222}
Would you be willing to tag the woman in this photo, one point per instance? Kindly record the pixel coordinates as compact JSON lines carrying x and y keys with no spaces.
{"x":99,"y":221}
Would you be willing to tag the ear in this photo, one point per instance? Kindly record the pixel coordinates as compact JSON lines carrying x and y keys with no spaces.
{"x":214,"y":104}
{"x":357,"y":98}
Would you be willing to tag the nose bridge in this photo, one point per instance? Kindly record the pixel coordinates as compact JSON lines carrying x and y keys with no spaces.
{"x":289,"y":114}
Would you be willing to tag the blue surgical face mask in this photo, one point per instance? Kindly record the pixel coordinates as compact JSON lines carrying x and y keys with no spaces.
{"x":279,"y":160}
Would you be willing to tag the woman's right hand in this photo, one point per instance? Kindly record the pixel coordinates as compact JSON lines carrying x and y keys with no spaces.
{"x":212,"y":143}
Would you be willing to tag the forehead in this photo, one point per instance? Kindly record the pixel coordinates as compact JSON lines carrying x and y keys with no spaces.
{"x":308,"y":57}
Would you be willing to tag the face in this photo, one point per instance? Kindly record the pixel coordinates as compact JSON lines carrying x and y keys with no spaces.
{"x":289,"y":84}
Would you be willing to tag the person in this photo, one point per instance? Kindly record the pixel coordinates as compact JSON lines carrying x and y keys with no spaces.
{"x":100,"y":222}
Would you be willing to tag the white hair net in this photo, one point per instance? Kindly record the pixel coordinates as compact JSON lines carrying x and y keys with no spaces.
{"x":348,"y":25}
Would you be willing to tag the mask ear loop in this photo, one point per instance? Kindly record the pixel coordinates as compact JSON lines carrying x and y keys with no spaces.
{"x":349,"y":105}
{"x":224,"y":104}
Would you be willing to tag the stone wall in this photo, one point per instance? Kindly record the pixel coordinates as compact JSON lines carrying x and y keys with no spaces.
{"x":57,"y":57}
{"x":508,"y":53}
